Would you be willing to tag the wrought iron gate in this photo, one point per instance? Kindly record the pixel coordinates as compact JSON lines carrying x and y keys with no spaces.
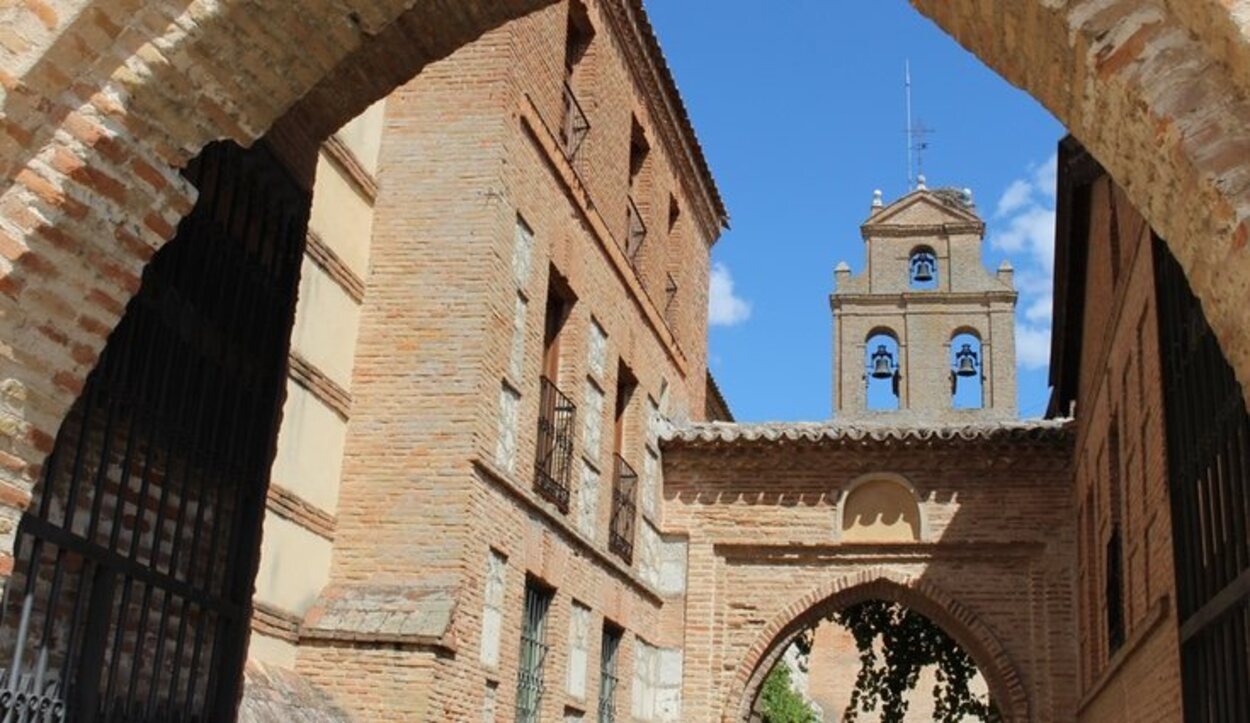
{"x":134,"y":564}
{"x":1208,"y":446}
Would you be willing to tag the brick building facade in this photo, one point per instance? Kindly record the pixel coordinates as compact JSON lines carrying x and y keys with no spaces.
{"x":420,"y":496}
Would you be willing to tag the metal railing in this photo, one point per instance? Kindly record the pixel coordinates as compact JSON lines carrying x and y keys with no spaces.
{"x":553,"y":461}
{"x":534,"y":649}
{"x":574,"y":126}
{"x":637,"y":232}
{"x":624,"y":507}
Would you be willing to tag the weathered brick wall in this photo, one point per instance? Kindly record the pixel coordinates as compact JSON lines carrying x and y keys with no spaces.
{"x":1121,"y":475}
{"x":765,"y":558}
{"x":477,"y":206}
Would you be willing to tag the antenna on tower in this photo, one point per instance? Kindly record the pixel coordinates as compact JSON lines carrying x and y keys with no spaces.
{"x":916,"y":133}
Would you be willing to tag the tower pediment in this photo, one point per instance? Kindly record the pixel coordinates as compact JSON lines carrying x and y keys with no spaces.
{"x":923,"y":211}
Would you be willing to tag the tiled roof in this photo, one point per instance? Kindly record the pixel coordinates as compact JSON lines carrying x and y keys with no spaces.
{"x":713,"y":433}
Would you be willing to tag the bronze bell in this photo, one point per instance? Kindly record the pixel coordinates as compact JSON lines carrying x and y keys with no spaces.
{"x":882,"y":363}
{"x":924,"y":270}
{"x":966,"y":362}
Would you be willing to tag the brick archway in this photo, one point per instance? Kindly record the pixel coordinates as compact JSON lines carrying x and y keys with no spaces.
{"x":878,"y":583}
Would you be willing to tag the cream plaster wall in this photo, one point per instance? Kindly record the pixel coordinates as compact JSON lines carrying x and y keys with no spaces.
{"x":310,"y":449}
{"x":294,"y":565}
{"x":363,"y":135}
{"x":326,"y":322}
{"x":341,"y":216}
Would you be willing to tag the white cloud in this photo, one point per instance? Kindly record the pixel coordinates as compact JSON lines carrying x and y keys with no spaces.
{"x":1016,"y":195}
{"x":1031,"y":231}
{"x":1024,"y":230}
{"x":1046,"y":177}
{"x":1032,"y":346}
{"x":1040,"y":310}
{"x":724,"y":308}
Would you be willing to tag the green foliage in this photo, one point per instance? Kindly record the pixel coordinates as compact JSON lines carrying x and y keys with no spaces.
{"x":908,"y":642}
{"x":779,"y":701}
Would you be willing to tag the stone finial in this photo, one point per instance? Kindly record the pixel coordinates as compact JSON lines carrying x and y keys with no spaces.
{"x":841,"y":274}
{"x":877,"y":201}
{"x":1006,"y":273}
{"x":920,"y":183}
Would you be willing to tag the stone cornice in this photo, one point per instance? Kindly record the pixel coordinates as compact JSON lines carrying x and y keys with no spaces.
{"x":646,"y":62}
{"x":927,"y":230}
{"x":930,"y":297}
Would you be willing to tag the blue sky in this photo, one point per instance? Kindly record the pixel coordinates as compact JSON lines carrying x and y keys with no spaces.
{"x":799,"y":106}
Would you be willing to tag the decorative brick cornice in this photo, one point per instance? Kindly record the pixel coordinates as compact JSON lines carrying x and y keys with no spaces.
{"x":293,"y":508}
{"x":346,"y":160}
{"x":334,"y":266}
{"x":320,"y":386}
{"x":1007,"y":553}
{"x":645,"y":59}
{"x":275,"y":622}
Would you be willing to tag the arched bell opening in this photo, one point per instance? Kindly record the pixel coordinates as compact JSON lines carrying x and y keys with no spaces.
{"x":883,"y":372}
{"x":967,"y":372}
{"x":922,"y":269}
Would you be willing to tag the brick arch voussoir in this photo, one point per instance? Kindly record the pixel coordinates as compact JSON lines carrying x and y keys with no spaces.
{"x":106,"y":104}
{"x":878,"y":583}
{"x":1157,"y":91}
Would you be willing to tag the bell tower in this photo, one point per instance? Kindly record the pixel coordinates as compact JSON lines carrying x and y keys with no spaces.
{"x":925,"y":333}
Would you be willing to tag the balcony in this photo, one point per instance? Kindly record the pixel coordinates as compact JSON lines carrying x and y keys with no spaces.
{"x":574,"y":126}
{"x":637,"y":232}
{"x":553,"y":461}
{"x":624,"y":506}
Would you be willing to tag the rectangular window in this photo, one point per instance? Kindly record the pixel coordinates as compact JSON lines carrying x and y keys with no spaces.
{"x":608,"y":680}
{"x":575,"y":125}
{"x":625,"y":479}
{"x":1114,"y":593}
{"x":534,"y":649}
{"x":553,"y":459}
{"x":639,"y":175}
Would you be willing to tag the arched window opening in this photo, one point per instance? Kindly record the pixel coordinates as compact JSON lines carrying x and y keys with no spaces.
{"x":967,"y":372}
{"x":923,"y":268}
{"x":883,"y":373}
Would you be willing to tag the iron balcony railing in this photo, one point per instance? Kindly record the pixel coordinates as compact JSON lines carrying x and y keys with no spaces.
{"x":574,"y":126}
{"x":624,"y":506}
{"x":637,"y":233}
{"x":554,"y":460}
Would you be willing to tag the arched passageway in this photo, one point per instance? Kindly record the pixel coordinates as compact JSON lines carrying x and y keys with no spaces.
{"x":98,"y":95}
{"x":921,"y":596}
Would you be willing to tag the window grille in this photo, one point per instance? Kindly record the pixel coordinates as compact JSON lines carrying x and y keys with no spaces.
{"x":624,"y":505}
{"x":1208,"y":458}
{"x":534,"y":651}
{"x":553,"y":462}
{"x":608,"y":680}
{"x":134,"y":565}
